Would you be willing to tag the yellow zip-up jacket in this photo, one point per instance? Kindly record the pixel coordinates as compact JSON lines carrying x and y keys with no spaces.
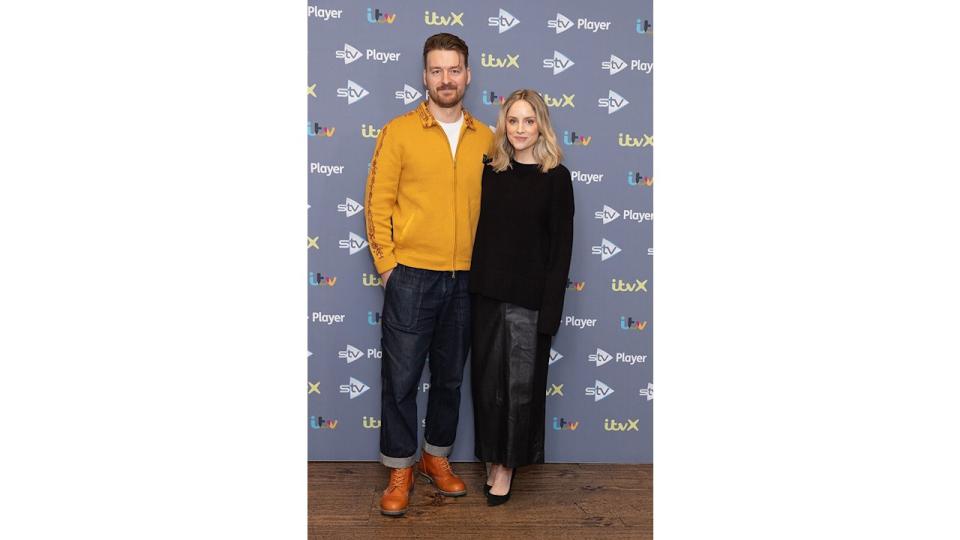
{"x":422,"y":205}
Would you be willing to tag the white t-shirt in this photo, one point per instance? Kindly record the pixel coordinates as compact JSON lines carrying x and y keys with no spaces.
{"x":453,"y":133}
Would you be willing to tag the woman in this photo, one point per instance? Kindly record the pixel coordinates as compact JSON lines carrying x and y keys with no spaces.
{"x":518,"y":276}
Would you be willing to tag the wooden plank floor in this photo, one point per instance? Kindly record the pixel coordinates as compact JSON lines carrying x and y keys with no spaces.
{"x":555,"y":500}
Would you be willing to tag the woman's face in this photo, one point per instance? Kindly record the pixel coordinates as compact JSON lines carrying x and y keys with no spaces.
{"x":522,"y":128}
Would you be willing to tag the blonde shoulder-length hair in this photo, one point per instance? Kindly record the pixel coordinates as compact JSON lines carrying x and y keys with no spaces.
{"x":546,"y":151}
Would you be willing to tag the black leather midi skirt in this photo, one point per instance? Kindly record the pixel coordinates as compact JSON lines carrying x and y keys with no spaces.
{"x":509,"y":382}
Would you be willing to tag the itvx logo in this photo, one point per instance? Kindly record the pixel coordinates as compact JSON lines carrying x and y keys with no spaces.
{"x":408,"y":95}
{"x":349,"y":207}
{"x":605,"y":250}
{"x":314,"y":129}
{"x":316,"y":279}
{"x":625,"y":139}
{"x":355,"y":388}
{"x":602,"y":357}
{"x":561,"y":102}
{"x":561,"y":24}
{"x":353,"y":92}
{"x":491,"y":98}
{"x":491,"y":61}
{"x":370,"y":422}
{"x":613,"y":102}
{"x":627,"y":323}
{"x":555,"y":390}
{"x":619,"y":285}
{"x":372,"y":280}
{"x":599,"y":390}
{"x":431,"y":18}
{"x":319,"y":422}
{"x":616,"y":65}
{"x":375,"y":16}
{"x":559,"y":63}
{"x":612,"y":424}
{"x":562,"y":424}
{"x":313,"y":242}
{"x":355,"y":243}
{"x":570,"y":138}
{"x":505,"y":21}
{"x":350,"y":54}
{"x":634,"y":178}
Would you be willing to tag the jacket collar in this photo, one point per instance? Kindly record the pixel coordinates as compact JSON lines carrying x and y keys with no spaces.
{"x":427,"y":119}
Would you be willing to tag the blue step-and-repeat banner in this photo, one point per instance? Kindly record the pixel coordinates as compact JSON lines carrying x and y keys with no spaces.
{"x":593,"y":64}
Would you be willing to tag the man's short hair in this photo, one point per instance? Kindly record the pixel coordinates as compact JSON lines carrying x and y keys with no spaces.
{"x":446,"y":42}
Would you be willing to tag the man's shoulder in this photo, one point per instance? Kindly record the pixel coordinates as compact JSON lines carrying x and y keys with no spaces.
{"x":406,"y":120}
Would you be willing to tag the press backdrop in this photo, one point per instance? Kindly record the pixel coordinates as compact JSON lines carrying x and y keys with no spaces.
{"x":593,"y":63}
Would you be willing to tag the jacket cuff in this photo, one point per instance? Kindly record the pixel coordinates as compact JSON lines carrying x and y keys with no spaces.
{"x":388,"y":262}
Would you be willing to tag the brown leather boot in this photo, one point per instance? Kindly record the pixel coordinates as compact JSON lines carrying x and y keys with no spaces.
{"x":437,"y":471}
{"x":397,"y":495}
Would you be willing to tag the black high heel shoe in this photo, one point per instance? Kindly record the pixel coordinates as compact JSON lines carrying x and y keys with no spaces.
{"x":496,"y":500}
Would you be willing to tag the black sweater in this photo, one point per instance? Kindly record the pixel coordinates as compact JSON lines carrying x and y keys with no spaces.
{"x":521,"y":252}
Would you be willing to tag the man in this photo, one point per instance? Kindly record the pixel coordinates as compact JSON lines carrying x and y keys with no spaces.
{"x":422,"y":206}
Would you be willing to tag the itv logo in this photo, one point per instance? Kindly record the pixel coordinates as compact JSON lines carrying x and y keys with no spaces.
{"x":562,"y":424}
{"x":375,"y":16}
{"x":373,"y":318}
{"x":316,"y":279}
{"x":322,"y":423}
{"x":627,"y":323}
{"x":491,"y":98}
{"x":570,"y":138}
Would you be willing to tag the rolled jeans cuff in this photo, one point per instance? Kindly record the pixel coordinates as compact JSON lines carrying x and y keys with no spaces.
{"x":398,"y":463}
{"x":439,"y":451}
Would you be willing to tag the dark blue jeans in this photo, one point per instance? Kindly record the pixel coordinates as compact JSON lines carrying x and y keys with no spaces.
{"x":424,"y":312}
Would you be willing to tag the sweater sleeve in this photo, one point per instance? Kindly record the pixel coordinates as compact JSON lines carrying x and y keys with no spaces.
{"x":381,"y":196}
{"x":560,"y":224}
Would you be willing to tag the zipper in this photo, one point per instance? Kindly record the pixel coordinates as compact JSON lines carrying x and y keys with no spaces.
{"x":463,"y":131}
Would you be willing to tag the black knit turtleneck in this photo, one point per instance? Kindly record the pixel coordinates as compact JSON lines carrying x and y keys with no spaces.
{"x":521,"y":252}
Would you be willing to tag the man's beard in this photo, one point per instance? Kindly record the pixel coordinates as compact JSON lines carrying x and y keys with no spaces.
{"x":448,"y":102}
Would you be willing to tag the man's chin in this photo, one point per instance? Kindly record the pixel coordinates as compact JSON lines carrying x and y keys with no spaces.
{"x":446,"y":103}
